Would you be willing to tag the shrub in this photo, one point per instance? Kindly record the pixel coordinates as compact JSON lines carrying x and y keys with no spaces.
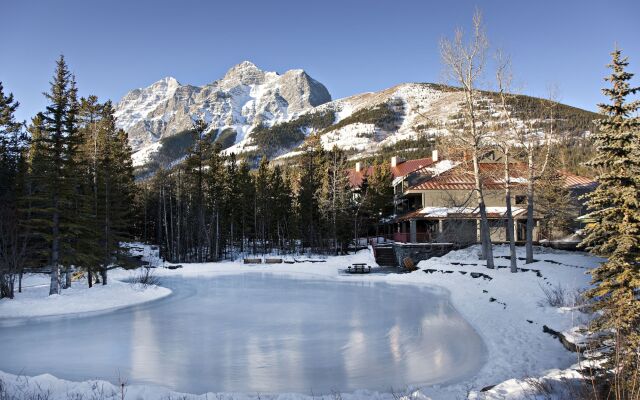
{"x":145,"y":277}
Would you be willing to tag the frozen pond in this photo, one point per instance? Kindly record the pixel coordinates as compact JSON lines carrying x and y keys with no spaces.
{"x":258,"y":333}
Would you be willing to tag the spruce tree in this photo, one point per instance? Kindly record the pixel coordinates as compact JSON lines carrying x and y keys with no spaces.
{"x":379,"y":196}
{"x":245,"y":204}
{"x":263,"y":202}
{"x":312,"y":169}
{"x":614,"y":228}
{"x":55,"y":169}
{"x":195,"y":178}
{"x":13,"y":238}
{"x":12,"y":141}
{"x":555,"y":204}
{"x":215,"y":176}
{"x":91,"y":129}
{"x":282,"y":201}
{"x":114,"y":188}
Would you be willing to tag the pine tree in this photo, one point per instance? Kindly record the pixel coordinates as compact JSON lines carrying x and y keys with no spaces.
{"x":13,"y":238}
{"x":263,"y":202}
{"x":614,"y":228}
{"x":379,"y":197}
{"x":91,"y":129}
{"x":312,"y":169}
{"x":245,"y":192}
{"x":12,"y":141}
{"x":195,"y":178}
{"x":229,"y":207}
{"x":114,"y":188}
{"x":555,"y":204}
{"x":56,"y":174}
{"x":282,"y":202}
{"x":215,"y":176}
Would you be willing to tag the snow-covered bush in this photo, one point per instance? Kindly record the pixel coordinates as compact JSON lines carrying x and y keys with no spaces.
{"x":145,"y":277}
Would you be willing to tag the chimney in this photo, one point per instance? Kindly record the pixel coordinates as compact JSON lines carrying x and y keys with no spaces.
{"x":395,"y":161}
{"x":434,"y":155}
{"x":358,"y":166}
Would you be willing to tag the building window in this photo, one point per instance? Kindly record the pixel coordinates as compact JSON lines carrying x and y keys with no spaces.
{"x":521,"y":200}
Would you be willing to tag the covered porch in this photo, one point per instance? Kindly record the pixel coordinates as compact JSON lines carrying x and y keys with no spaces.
{"x":456,"y":225}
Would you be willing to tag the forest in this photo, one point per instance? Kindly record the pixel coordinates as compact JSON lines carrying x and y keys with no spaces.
{"x":69,"y":197}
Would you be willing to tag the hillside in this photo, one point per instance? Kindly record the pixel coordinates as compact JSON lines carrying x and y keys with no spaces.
{"x":256,"y":113}
{"x":244,"y":99}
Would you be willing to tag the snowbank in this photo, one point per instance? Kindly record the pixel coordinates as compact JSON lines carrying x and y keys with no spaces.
{"x":508,"y":311}
{"x":34,"y":301}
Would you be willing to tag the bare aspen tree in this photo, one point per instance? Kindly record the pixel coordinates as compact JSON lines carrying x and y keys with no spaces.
{"x":504,"y":140}
{"x":537,"y":148}
{"x":464,"y":64}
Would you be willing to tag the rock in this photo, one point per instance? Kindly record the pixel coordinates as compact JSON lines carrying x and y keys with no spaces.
{"x":567,"y":344}
{"x":244,"y":98}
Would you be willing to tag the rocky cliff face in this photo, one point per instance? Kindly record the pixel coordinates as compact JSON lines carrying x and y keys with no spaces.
{"x":243,"y":99}
{"x":263,"y":113}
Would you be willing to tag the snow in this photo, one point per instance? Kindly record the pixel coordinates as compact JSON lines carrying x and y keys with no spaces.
{"x":441,"y":212}
{"x":441,"y":167}
{"x":507,"y":311}
{"x":503,"y":210}
{"x":356,"y":136}
{"x":34,"y":301}
{"x":143,"y":155}
{"x":136,"y":105}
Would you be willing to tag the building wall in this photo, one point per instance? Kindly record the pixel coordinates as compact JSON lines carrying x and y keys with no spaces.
{"x":461,"y":231}
{"x":457,"y":198}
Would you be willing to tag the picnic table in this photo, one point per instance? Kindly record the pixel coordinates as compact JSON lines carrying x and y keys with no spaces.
{"x":359,"y":268}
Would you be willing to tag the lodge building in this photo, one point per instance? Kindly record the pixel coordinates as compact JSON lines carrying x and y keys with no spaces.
{"x":435,"y":202}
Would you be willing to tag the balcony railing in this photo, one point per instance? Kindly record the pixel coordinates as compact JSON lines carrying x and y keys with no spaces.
{"x":401,"y":237}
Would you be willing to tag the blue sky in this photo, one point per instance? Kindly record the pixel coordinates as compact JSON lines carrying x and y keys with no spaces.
{"x":350,"y":46}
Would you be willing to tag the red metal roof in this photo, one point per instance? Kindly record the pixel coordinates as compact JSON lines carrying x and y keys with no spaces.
{"x":576,"y":182}
{"x":402,"y":169}
{"x":461,"y":177}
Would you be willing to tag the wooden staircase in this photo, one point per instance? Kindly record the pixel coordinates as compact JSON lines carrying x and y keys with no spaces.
{"x":385,"y":256}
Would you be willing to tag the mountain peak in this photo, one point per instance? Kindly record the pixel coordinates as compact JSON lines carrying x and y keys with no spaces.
{"x":246,"y":73}
{"x":167,"y":84}
{"x":168,"y":80}
{"x":245,"y":97}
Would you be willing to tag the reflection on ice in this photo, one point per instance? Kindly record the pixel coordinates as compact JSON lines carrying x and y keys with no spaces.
{"x":259,"y":333}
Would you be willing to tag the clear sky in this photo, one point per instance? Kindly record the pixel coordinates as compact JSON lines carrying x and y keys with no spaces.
{"x":350,"y":46}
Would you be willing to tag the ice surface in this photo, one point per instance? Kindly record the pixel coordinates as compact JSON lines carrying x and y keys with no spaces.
{"x":259,"y":333}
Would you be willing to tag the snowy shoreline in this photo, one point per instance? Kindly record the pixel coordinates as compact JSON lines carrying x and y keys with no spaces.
{"x":35,"y":302}
{"x":504,"y":310}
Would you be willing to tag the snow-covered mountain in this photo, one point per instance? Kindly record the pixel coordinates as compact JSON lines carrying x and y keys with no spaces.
{"x":244,"y":98}
{"x":256,"y":112}
{"x":370,"y":121}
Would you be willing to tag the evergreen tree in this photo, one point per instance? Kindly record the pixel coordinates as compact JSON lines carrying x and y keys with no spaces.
{"x":614,"y":228}
{"x":245,"y":193}
{"x":379,"y":196}
{"x":281,"y":209}
{"x":115,"y":190}
{"x":215,"y":197}
{"x":555,"y":204}
{"x":13,"y":237}
{"x":55,"y":170}
{"x":312,"y":169}
{"x":195,"y":178}
{"x":91,"y":129}
{"x":230,"y":187}
{"x":12,"y":142}
{"x":263,"y":202}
